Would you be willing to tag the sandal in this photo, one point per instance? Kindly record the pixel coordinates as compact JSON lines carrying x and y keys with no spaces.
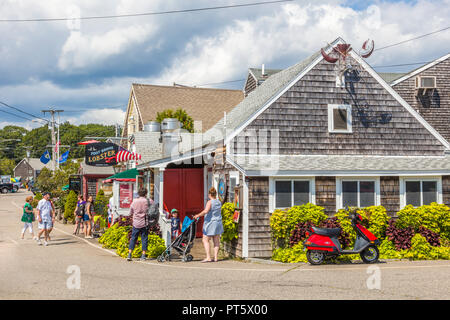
{"x":205,"y":260}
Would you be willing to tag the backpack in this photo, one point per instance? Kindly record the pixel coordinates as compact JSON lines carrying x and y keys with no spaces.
{"x":152,"y":213}
{"x":81,"y":209}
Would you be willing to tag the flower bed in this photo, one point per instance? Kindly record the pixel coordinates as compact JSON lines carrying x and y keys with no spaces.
{"x":118,"y":237}
{"x":418,"y":234}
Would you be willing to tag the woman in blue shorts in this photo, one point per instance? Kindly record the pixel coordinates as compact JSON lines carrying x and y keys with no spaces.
{"x":212,"y":225}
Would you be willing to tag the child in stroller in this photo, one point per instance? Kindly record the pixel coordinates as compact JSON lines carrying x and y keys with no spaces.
{"x":183,"y":243}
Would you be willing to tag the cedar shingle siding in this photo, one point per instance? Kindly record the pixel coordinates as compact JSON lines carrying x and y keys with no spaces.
{"x":326,"y":194}
{"x":301,"y":116}
{"x":390,"y":194}
{"x":259,"y":236}
{"x":434,"y":106}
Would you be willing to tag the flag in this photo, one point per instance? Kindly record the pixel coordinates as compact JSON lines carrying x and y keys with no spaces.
{"x":45,"y":158}
{"x":64,"y":157}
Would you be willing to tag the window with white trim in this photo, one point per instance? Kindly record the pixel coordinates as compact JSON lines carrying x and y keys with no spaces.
{"x":420,"y":191}
{"x":290,"y":193}
{"x":339,"y":118}
{"x":359,"y":193}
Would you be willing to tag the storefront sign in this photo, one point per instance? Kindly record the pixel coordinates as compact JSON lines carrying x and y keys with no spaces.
{"x":101,"y":154}
{"x":75,"y":183}
{"x":125,"y":195}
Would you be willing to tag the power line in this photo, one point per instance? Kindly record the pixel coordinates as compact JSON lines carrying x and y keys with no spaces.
{"x":17,"y":109}
{"x":402,"y":65}
{"x":146,"y":13}
{"x":210,"y":84}
{"x":412,"y":39}
{"x":16,"y":115}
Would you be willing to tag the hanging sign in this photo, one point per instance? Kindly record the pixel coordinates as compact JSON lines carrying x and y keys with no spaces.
{"x":222,"y":188}
{"x":101,"y":154}
{"x":125,"y":195}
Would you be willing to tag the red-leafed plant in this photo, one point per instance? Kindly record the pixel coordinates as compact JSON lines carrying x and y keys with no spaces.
{"x":401,"y":237}
{"x":432,"y":237}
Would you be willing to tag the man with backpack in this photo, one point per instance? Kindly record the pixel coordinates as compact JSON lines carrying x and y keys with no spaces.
{"x":79,"y":213}
{"x":142,"y":211}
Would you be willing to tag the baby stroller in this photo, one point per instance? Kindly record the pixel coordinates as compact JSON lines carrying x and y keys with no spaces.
{"x":183,"y":243}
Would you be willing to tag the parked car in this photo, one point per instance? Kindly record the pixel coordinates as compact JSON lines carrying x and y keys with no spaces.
{"x":6,"y":187}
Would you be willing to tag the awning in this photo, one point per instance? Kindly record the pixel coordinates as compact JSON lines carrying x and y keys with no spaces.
{"x":128,"y":175}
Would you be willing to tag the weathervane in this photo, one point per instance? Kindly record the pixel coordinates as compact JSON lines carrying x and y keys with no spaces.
{"x":339,"y":55}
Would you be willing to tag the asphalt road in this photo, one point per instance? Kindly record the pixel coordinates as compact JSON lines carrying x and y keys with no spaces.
{"x":29,"y":271}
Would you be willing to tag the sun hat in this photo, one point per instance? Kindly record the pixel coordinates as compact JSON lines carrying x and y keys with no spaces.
{"x":174,"y":210}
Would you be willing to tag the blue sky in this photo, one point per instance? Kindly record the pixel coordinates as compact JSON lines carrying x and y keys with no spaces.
{"x":87,"y":69}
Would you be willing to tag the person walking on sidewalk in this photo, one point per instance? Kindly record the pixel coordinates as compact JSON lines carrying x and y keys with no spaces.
{"x":79,"y":213}
{"x":138,"y":211}
{"x":28,"y":217}
{"x":45,"y":218}
{"x":212,"y":225}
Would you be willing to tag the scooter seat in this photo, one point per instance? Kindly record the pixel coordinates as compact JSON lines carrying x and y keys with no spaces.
{"x":329,"y":232}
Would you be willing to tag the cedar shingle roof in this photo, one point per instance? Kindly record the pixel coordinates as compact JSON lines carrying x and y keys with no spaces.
{"x":202,"y":104}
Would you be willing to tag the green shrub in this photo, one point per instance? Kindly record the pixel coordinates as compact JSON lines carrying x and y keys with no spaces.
{"x":388,"y":250}
{"x":435,"y":217}
{"x":377,"y":219}
{"x":70,"y":205}
{"x":156,"y":246}
{"x":290,"y":255}
{"x":282,"y":222}
{"x":119,"y":238}
{"x":230,"y":228}
{"x":110,"y":239}
{"x":278,"y":224}
{"x":101,"y":203}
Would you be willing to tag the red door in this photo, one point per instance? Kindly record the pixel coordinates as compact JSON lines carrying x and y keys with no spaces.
{"x":183,"y":190}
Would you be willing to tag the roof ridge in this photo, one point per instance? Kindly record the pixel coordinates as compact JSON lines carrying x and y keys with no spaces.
{"x":185,"y":87}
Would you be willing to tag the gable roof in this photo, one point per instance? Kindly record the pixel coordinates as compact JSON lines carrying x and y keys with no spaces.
{"x":258,"y":76}
{"x":270,"y":90}
{"x":202,"y":104}
{"x":420,"y":69}
{"x":35,"y":163}
{"x":257,"y":99}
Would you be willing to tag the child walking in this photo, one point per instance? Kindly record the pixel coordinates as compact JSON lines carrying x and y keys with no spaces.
{"x":28,"y":217}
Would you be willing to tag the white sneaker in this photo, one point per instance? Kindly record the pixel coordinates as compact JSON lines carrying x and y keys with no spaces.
{"x":39,"y":242}
{"x":45,"y":243}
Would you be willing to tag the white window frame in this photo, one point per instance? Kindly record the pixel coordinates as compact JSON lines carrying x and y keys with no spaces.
{"x":348,"y":108}
{"x":236,"y":175}
{"x":340,"y":198}
{"x":272,"y":189}
{"x":403,"y":180}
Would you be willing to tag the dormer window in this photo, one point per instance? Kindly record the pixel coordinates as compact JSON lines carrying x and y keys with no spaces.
{"x":340,"y":118}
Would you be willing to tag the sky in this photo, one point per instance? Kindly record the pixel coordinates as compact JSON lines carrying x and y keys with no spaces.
{"x":86,"y":67}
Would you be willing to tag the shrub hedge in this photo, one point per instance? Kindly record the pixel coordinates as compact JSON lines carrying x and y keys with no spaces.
{"x":421,"y":233}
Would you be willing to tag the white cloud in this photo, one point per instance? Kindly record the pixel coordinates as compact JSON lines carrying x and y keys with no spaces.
{"x":297,"y":31}
{"x":104,"y":116}
{"x":83,"y":50}
{"x":42,"y":62}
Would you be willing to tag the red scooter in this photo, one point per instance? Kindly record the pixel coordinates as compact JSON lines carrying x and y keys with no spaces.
{"x":323,"y":243}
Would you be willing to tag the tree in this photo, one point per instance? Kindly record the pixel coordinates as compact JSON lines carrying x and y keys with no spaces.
{"x":70,"y":205}
{"x":101,"y":203}
{"x":180,"y":114}
{"x":7,"y":166}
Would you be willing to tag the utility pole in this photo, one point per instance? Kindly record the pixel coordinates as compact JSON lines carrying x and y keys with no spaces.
{"x":54,"y":154}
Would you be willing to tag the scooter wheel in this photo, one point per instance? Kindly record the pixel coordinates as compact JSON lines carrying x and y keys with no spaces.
{"x":370,"y":254}
{"x":315,"y":257}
